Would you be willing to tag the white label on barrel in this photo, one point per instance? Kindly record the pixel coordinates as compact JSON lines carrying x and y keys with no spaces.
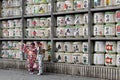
{"x":98,"y":3}
{"x":118,"y":46}
{"x":85,"y":31}
{"x":85,"y":3}
{"x":109,"y":30}
{"x":117,"y":2}
{"x":98,"y":30}
{"x":60,"y":32}
{"x":60,"y":6}
{"x":117,"y":16}
{"x":69,"y":19}
{"x":78,"y":19}
{"x":111,"y":47}
{"x":69,"y":32}
{"x":85,"y":18}
{"x":68,"y":47}
{"x":118,"y":60}
{"x":110,"y":59}
{"x":61,"y":21}
{"x":77,"y":57}
{"x":99,"y":46}
{"x":68,"y":5}
{"x":85,"y":47}
{"x":99,"y":58}
{"x":109,"y":17}
{"x":59,"y":46}
{"x":98,"y":18}
{"x":118,"y":29}
{"x":85,"y":59}
{"x":78,"y":4}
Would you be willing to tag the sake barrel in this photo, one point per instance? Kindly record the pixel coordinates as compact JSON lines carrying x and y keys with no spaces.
{"x":43,"y":22}
{"x":4,"y":24}
{"x":60,"y":32}
{"x":4,"y":54}
{"x":10,"y":44}
{"x":85,"y":18}
{"x":118,"y":29}
{"x":99,"y":46}
{"x":98,"y":3}
{"x":49,"y":7}
{"x":68,"y":58}
{"x":5,"y":33}
{"x":48,"y":31}
{"x":78,"y":19}
{"x":49,"y":46}
{"x":18,"y":32}
{"x":99,"y":17}
{"x":117,"y":16}
{"x":17,"y":55}
{"x":110,"y":59}
{"x":69,"y":19}
{"x":60,"y":46}
{"x":36,"y":9}
{"x":61,"y":21}
{"x":29,"y":22}
{"x":29,"y":9}
{"x":111,"y":46}
{"x":68,"y":6}
{"x":60,"y":5}
{"x":85,"y":3}
{"x":10,"y":24}
{"x":49,"y":21}
{"x":85,"y":31}
{"x":36,"y":22}
{"x":29,"y":1}
{"x":68,"y":47}
{"x":118,"y":60}
{"x":69,"y":31}
{"x":17,"y":11}
{"x":85,"y":59}
{"x":109,"y":30}
{"x":43,"y":8}
{"x":85,"y":47}
{"x":78,"y":31}
{"x":11,"y":32}
{"x":77,"y":46}
{"x":77,"y":57}
{"x":109,"y":2}
{"x":109,"y":17}
{"x":4,"y":45}
{"x":18,"y":23}
{"x":98,"y":30}
{"x":60,"y":57}
{"x":118,"y":46}
{"x":16,"y":3}
{"x":117,"y":2}
{"x":78,"y":4}
{"x":99,"y":59}
{"x":44,"y":45}
{"x":29,"y":32}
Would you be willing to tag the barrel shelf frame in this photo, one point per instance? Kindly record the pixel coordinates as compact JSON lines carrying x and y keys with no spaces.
{"x":10,"y":18}
{"x":53,"y":39}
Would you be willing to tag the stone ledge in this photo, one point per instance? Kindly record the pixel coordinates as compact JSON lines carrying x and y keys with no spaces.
{"x":104,"y":72}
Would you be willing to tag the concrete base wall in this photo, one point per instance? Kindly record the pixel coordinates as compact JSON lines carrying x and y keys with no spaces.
{"x":104,"y":72}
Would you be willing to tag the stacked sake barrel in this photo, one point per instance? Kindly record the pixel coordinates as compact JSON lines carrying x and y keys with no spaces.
{"x":11,"y":49}
{"x":11,"y":8}
{"x":107,"y":53}
{"x":12,"y":28}
{"x":70,"y":5}
{"x":106,"y":3}
{"x":72,"y":52}
{"x":37,"y":7}
{"x":38,"y":27}
{"x":72,"y":26}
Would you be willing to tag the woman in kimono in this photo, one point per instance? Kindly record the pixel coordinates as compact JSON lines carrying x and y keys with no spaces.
{"x":31,"y":58}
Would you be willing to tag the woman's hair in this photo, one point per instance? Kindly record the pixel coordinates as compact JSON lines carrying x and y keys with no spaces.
{"x":33,"y":43}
